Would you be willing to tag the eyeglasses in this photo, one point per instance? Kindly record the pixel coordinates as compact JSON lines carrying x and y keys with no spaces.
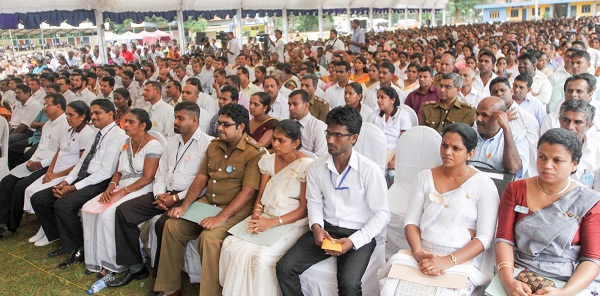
{"x":225,"y":124}
{"x":335,"y":135}
{"x":48,"y":105}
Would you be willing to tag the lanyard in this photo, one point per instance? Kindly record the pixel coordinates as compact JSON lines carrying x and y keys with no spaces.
{"x":102,"y":138}
{"x":339,"y":186}
{"x":182,"y":154}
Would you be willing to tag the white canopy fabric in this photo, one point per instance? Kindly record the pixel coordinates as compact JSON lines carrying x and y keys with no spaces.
{"x":10,"y":6}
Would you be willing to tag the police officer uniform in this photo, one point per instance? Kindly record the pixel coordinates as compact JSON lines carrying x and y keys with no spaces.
{"x":228,"y":172}
{"x":435,"y":114}
{"x":318,"y":108}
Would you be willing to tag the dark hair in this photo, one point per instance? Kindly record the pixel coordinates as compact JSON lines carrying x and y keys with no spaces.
{"x":524,"y":78}
{"x":277,"y":82}
{"x":313,"y":79}
{"x":344,"y":64}
{"x":156,"y":85}
{"x":104,"y":104}
{"x":580,"y":106}
{"x":190,"y":107}
{"x":422,"y":69}
{"x":356,"y":86}
{"x":392,"y":94}
{"x":238,"y":114}
{"x":290,"y":129}
{"x":81,"y":108}
{"x":143,"y":117}
{"x":57,"y":99}
{"x":244,"y":71}
{"x":53,"y":86}
{"x":264,"y":99}
{"x":125,"y":93}
{"x":345,"y":116}
{"x":566,"y":138}
{"x":527,"y":56}
{"x":24,"y":88}
{"x":109,"y":79}
{"x":195,"y":82}
{"x":581,"y":54}
{"x":388,"y":66}
{"x":303,"y":95}
{"x":177,"y":84}
{"x":589,"y":78}
{"x":466,"y":133}
{"x":235,"y":79}
{"x":235,"y":94}
{"x":499,"y":79}
{"x":485,"y":52}
{"x":364,"y":61}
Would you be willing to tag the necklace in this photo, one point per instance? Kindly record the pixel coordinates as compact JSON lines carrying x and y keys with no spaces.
{"x":140,"y":145}
{"x":447,"y":204}
{"x":537,"y":179}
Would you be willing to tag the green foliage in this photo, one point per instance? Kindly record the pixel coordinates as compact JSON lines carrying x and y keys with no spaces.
{"x":120,"y":28}
{"x":306,"y":23}
{"x":193,"y":25}
{"x":464,"y":10}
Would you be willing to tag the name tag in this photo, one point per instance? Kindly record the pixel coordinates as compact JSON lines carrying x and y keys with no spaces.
{"x":521,"y":209}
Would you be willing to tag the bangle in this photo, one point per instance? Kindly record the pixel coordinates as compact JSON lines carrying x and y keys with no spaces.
{"x":126,"y":190}
{"x":280,"y":220}
{"x":415,"y":252}
{"x":453,"y":258}
{"x":113,"y":183}
{"x":505,"y":264}
{"x":174,"y":197}
{"x":259,"y":206}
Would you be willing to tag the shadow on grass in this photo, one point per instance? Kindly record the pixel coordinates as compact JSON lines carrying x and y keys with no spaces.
{"x":17,"y":277}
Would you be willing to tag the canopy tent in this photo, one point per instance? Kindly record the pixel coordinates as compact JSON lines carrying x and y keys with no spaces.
{"x":150,"y":37}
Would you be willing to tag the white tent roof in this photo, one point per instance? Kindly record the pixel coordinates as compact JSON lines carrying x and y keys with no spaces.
{"x":10,"y":6}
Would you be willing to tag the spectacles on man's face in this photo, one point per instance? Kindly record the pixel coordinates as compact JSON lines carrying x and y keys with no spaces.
{"x":335,"y":135}
{"x":48,"y":105}
{"x":225,"y":124}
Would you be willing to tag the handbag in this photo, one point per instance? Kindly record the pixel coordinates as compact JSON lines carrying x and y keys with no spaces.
{"x":534,"y":280}
{"x":500,"y":178}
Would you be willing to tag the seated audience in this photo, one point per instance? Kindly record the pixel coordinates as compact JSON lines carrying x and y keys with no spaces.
{"x":261,"y":125}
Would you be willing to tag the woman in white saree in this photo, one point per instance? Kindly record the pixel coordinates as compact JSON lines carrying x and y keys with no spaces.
{"x":247,"y":268}
{"x":449,"y":224}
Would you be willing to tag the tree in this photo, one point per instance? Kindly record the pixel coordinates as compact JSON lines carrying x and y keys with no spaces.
{"x":193,"y":25}
{"x":462,"y":8}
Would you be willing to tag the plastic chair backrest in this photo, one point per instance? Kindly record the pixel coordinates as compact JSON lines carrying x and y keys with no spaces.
{"x":4,"y":133}
{"x":414,"y":120}
{"x":160,"y":138}
{"x":371,"y":143}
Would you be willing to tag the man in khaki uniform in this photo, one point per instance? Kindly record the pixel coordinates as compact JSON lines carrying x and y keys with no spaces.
{"x":448,"y":109}
{"x":318,"y":107}
{"x":230,"y":173}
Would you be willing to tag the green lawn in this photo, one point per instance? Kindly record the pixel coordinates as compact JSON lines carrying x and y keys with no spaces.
{"x":26,"y":270}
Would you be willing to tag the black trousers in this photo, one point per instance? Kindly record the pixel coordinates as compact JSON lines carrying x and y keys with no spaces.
{"x":17,"y":142}
{"x":350,"y":266}
{"x":12,"y":194}
{"x":127,"y":218}
{"x":60,"y":216}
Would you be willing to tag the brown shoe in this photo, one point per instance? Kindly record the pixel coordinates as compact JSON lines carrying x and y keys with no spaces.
{"x":4,"y":232}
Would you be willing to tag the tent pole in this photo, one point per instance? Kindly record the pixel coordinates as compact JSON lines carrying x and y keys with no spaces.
{"x":433,"y":24}
{"x":284,"y":14}
{"x":421,"y":17}
{"x":43,"y":42}
{"x":444,"y":17}
{"x":11,"y":44}
{"x":348,"y":19}
{"x":320,"y":14}
{"x":406,"y":18}
{"x":390,"y":19}
{"x":238,"y":26}
{"x":100,"y":33}
{"x":371,"y":16}
{"x":181,"y":31}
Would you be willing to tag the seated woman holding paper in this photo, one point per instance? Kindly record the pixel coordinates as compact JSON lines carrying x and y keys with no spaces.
{"x":134,"y":176}
{"x":68,"y":154}
{"x":449,"y":225}
{"x":247,"y":268}
{"x":550,"y":225}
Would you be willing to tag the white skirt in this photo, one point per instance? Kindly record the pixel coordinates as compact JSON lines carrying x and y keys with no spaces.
{"x":36,"y":187}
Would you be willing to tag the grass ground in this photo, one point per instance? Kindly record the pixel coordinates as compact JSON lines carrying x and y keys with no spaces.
{"x":26,"y":270}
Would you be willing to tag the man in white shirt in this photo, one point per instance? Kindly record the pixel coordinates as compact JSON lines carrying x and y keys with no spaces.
{"x":37,"y":91}
{"x":541,"y":87}
{"x":12,"y":188}
{"x":153,"y":53}
{"x":206,"y":75}
{"x":181,"y":75}
{"x":313,"y":138}
{"x":386,"y":74}
{"x":79,"y":88}
{"x":334,"y":95}
{"x":174,"y":92}
{"x":72,"y":61}
{"x":594,"y":53}
{"x":278,"y":45}
{"x":107,"y":86}
{"x":175,"y":174}
{"x":485,"y":63}
{"x":64,"y":83}
{"x":347,"y":205}
{"x":23,"y":114}
{"x":191,"y":93}
{"x":247,"y":88}
{"x":135,"y":91}
{"x":58,"y":207}
{"x":206,"y":102}
{"x":279,"y":102}
{"x":580,"y":63}
{"x":521,"y":95}
{"x":467,"y":93}
{"x":8,"y":95}
{"x":233,"y":48}
{"x":336,"y":44}
{"x":161,"y":113}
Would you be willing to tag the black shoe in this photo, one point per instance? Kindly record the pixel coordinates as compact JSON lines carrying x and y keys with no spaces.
{"x":127,"y":277}
{"x":56,"y":252}
{"x":75,"y":257}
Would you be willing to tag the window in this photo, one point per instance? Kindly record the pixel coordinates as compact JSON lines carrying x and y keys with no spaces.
{"x":494,"y":14}
{"x":533,"y":11}
{"x":586,"y":8}
{"x":514,"y":13}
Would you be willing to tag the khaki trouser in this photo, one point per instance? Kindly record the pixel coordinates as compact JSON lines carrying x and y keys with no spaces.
{"x":176,"y":234}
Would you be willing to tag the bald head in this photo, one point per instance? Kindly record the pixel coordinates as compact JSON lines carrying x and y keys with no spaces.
{"x":492,"y":104}
{"x":190,"y":93}
{"x":468,"y":76}
{"x":447,"y":64}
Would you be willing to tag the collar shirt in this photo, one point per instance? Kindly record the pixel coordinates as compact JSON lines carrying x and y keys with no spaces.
{"x":173,"y":103}
{"x":234,"y":47}
{"x":137,"y":98}
{"x":525,"y":122}
{"x":336,"y":43}
{"x":251,"y":73}
{"x":39,"y":95}
{"x":279,"y":49}
{"x":25,"y":113}
{"x":280,"y":108}
{"x":558,"y":75}
{"x":104,"y":162}
{"x":558,"y":96}
{"x":204,"y":120}
{"x":153,"y":55}
{"x":483,"y":89}
{"x":182,"y":80}
{"x":163,"y":93}
{"x":119,"y":61}
{"x":534,"y":107}
{"x":206,"y":79}
{"x":541,"y":88}
{"x":208,"y":103}
{"x":594,"y":60}
{"x":161,"y":115}
{"x":111,"y":96}
{"x":354,"y":199}
{"x":359,"y":37}
{"x":182,"y":161}
{"x":437,"y":116}
{"x":588,"y":168}
{"x":472,"y":98}
{"x":70,"y":96}
{"x":334,"y":95}
{"x":53,"y":132}
{"x":392,"y":128}
{"x":552,"y":65}
{"x":491,"y":151}
{"x":250,"y":90}
{"x":86,"y":96}
{"x":73,"y":61}
{"x":313,"y":135}
{"x":71,"y":146}
{"x":552,"y":120}
{"x":10,"y":98}
{"x":371,"y":97}
{"x":416,"y":99}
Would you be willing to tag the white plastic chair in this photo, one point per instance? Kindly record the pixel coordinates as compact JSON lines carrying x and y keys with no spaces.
{"x":4,"y":133}
{"x":417,"y":149}
{"x":160,"y":138}
{"x":321,"y":278}
{"x":414,"y":120}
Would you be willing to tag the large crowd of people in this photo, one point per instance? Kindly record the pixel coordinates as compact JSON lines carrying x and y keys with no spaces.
{"x":264,"y":131}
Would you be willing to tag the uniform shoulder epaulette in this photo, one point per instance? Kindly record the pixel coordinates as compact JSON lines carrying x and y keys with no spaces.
{"x":215,"y":139}
{"x":321,"y":100}
{"x":429,"y":103}
{"x":253,"y":143}
{"x":465,"y":104}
